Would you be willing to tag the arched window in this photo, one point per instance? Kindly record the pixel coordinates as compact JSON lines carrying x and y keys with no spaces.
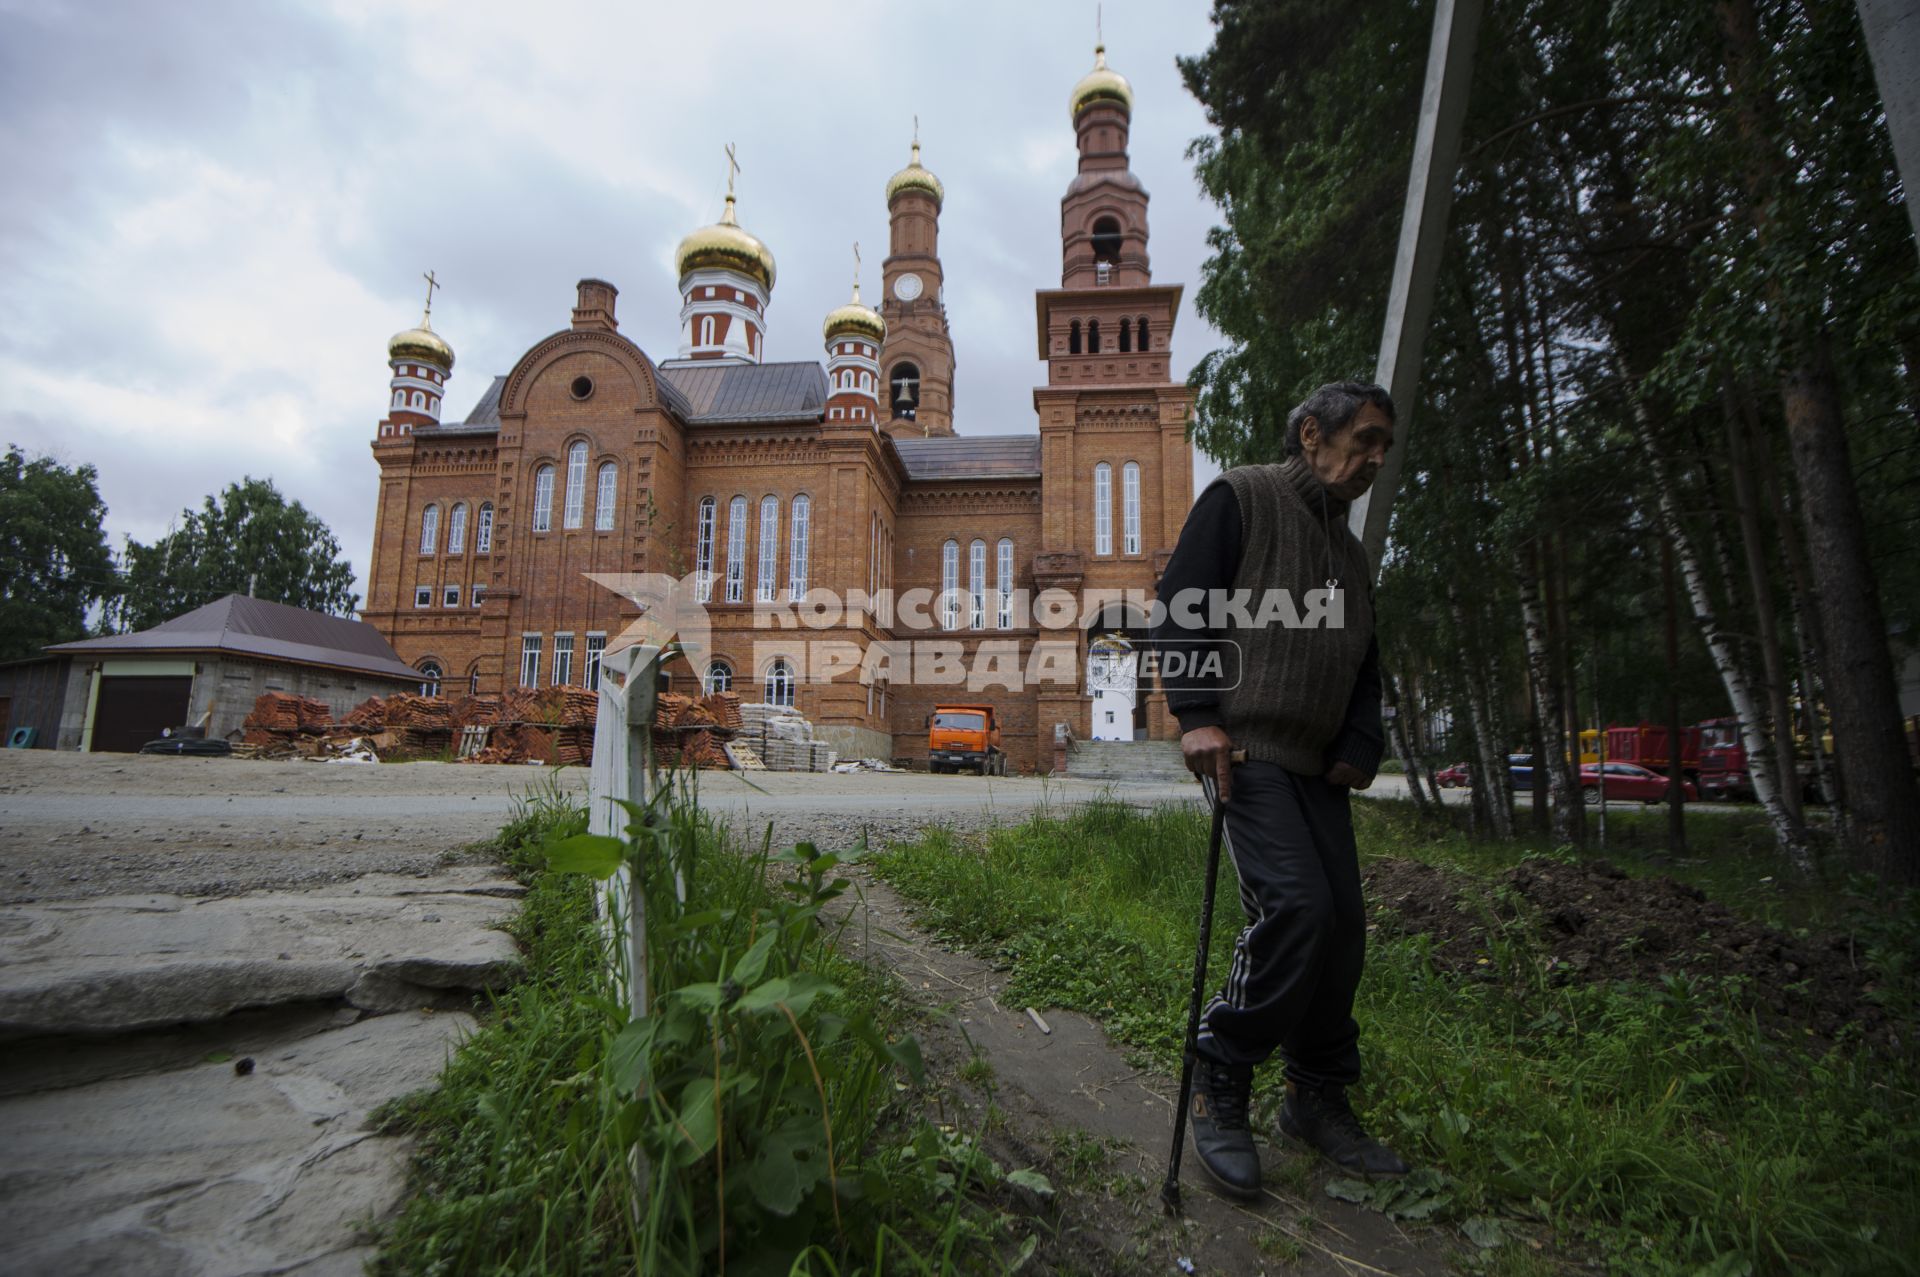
{"x":780,"y":683}
{"x":719,"y":677}
{"x":483,"y":531}
{"x":429,"y":529}
{"x":767,"y":566}
{"x":457,"y":528}
{"x":1126,"y":337}
{"x":703,"y":551}
{"x":543,"y":499}
{"x":1093,"y":336}
{"x":706,"y":331}
{"x":605,"y":497}
{"x":1106,"y":240}
{"x":1103,"y":509}
{"x":429,"y":678}
{"x":977,"y":585}
{"x":1141,"y":341}
{"x":473,"y":680}
{"x":576,"y":508}
{"x":797,"y":558}
{"x":399,"y":398}
{"x":950,"y":585}
{"x":1073,"y":338}
{"x":904,"y":386}
{"x":419,"y":400}
{"x":736,"y":549}
{"x":1130,"y":508}
{"x":1004,"y":565}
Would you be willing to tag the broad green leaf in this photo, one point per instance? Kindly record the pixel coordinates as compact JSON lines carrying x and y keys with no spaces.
{"x":595,"y":855}
{"x":630,"y":1060}
{"x":1031,"y":1180}
{"x":699,"y":1124}
{"x":1484,"y":1231}
{"x":1349,"y":1190}
{"x":708,"y":995}
{"x":754,"y":961}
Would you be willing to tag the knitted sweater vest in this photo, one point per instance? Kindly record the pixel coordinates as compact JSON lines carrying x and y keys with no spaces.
{"x":1295,"y":681}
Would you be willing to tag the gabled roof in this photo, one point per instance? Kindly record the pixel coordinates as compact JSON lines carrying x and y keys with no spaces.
{"x":971,"y":457}
{"x":717,"y":392}
{"x":254,"y":627}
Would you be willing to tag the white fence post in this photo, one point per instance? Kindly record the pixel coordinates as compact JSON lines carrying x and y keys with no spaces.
{"x":623,"y":769}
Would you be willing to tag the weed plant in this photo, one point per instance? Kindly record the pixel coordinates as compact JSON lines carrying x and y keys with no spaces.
{"x":1655,"y":1127}
{"x":759,"y":1119}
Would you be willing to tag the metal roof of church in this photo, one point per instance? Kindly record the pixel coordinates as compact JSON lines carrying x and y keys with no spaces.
{"x":718,"y":392}
{"x":972,"y":457}
{"x":254,"y":627}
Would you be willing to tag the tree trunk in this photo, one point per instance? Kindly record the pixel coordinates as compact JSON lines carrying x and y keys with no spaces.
{"x":1676,"y":774}
{"x":1490,"y":761}
{"x":1549,"y":760}
{"x":1397,"y":734}
{"x":1569,"y":685}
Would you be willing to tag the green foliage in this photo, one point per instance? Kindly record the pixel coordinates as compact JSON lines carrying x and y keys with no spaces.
{"x":54,"y":561}
{"x":248,"y":538}
{"x":1652,"y":1126}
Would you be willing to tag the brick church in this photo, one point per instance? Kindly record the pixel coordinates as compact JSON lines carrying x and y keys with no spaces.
{"x":769,"y":480}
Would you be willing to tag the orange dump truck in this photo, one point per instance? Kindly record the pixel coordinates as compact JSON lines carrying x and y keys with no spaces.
{"x":964,"y":736}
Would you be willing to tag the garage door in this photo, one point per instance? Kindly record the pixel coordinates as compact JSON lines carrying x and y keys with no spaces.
{"x":132,"y":710}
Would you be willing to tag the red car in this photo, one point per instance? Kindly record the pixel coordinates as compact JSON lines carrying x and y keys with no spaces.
{"x":1454,"y":777}
{"x":1630,"y":782}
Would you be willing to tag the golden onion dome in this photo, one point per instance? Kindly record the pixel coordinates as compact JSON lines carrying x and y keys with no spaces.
{"x":423,"y":344}
{"x":915,"y":178}
{"x":855,"y":318}
{"x":724,"y":246}
{"x":1102,"y":84}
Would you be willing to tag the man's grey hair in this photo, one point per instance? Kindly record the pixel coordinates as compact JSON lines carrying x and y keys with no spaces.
{"x":1334,"y":405}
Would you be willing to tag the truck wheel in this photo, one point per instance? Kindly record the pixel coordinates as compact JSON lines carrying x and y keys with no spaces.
{"x":935,"y":768}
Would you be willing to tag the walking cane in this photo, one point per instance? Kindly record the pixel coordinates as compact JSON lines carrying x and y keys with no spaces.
{"x":1170,"y":1191}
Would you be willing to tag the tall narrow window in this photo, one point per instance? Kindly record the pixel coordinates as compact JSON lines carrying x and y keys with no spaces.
{"x":1093,"y":336}
{"x":797,"y":559}
{"x":719,"y":677}
{"x":543,"y":499}
{"x":706,"y":331}
{"x":1004,"y":554}
{"x":873,"y":553}
{"x":1130,"y":508}
{"x":1126,"y":337}
{"x":605,"y":497}
{"x":736,"y":549}
{"x":950,"y":585}
{"x":430,"y":678}
{"x":483,"y":531}
{"x":529,"y":660}
{"x":767,"y":566}
{"x":429,"y":529}
{"x":977,"y":585}
{"x":1073,"y":338}
{"x":1142,"y":342}
{"x":703,"y":551}
{"x":562,"y":659}
{"x":457,"y":529}
{"x":596,"y":648}
{"x":1103,"y":509}
{"x":576,"y":507}
{"x":780,"y":683}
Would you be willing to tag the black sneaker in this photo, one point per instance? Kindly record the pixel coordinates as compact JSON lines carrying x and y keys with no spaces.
{"x":1221,"y":1135}
{"x":1324,"y":1119}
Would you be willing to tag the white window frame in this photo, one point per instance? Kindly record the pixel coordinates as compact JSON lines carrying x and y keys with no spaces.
{"x":596,"y":648}
{"x":950,"y":585}
{"x":476,"y":596}
{"x":429,"y":529}
{"x":779,"y":683}
{"x":483,"y":530}
{"x":457,"y":528}
{"x":574,"y":513}
{"x":423,"y":596}
{"x":606,"y":496}
{"x":450,"y":596}
{"x":1003,"y":556}
{"x":530,"y":660}
{"x":562,"y":658}
{"x":543,"y":499}
{"x":430,"y":676}
{"x":718,"y":678}
{"x":797,"y":541}
{"x":736,"y":549}
{"x":977,"y":584}
{"x":767,"y":568}
{"x":703,"y":550}
{"x":1130,"y":508}
{"x":706,"y":330}
{"x":1103,"y":509}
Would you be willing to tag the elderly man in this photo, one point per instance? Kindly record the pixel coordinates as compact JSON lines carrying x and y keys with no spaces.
{"x":1300,"y":694}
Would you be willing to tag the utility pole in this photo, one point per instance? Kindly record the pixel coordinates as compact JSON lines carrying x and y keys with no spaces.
{"x":1892,"y":31}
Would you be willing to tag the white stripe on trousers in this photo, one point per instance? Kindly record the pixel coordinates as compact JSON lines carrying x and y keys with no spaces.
{"x":1234,"y":993}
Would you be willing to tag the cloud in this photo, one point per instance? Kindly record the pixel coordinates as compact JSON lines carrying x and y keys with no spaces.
{"x":219,"y":212}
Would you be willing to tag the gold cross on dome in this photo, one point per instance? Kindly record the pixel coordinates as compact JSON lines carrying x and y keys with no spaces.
{"x":432,"y":284}
{"x":733,"y":167}
{"x":856,"y":266}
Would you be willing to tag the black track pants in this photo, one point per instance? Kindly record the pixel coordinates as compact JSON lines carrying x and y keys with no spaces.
{"x":1297,"y":963}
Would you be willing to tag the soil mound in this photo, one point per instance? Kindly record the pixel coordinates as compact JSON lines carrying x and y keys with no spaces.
{"x":1591,"y":922}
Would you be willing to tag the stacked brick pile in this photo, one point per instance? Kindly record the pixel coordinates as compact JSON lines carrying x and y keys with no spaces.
{"x":783,"y":740}
{"x":692,"y":731}
{"x":280,"y":720}
{"x":420,"y":724}
{"x":573,"y":742}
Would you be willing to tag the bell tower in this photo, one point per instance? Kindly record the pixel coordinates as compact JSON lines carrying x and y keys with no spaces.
{"x":916,"y":364}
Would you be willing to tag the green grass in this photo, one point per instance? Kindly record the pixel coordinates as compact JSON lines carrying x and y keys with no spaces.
{"x":1651,"y":1127}
{"x":781,"y":1135}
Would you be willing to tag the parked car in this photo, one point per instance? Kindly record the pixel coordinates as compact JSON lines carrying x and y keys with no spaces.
{"x":1629,"y":781}
{"x":1454,"y":777}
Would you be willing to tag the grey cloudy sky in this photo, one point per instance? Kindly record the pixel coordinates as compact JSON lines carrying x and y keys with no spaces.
{"x":219,"y":212}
